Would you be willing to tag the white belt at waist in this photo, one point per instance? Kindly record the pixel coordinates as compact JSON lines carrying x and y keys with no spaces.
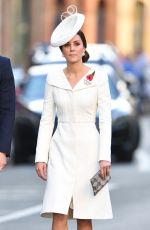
{"x":76,"y":122}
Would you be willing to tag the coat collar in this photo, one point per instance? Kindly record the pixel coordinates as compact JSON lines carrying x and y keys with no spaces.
{"x":59,"y":80}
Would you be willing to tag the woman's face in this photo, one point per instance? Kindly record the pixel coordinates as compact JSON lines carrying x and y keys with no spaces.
{"x":73,"y":50}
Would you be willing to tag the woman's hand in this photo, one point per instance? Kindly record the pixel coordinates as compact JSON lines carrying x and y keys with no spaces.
{"x":104,"y":168}
{"x":41,"y":169}
{"x":3,"y":160}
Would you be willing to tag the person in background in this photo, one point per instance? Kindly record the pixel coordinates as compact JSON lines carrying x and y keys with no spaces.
{"x":7,"y":109}
{"x":141,"y":62}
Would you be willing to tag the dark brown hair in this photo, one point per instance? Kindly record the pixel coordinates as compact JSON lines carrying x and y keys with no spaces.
{"x":86,"y":55}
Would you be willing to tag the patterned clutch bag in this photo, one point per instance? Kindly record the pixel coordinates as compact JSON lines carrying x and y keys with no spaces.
{"x":98,"y":182}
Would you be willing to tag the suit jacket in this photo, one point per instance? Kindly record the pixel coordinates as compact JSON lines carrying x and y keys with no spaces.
{"x":7,"y":105}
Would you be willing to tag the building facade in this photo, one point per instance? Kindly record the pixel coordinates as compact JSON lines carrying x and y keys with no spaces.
{"x":124,"y":23}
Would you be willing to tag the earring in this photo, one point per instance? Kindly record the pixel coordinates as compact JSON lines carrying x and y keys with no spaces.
{"x":83,"y":54}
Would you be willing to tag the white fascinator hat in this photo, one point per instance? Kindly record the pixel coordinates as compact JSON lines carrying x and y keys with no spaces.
{"x":71,"y":23}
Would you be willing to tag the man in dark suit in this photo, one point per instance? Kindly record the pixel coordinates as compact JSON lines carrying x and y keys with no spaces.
{"x":7,"y":109}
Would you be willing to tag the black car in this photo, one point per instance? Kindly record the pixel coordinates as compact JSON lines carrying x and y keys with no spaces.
{"x":125,"y":127}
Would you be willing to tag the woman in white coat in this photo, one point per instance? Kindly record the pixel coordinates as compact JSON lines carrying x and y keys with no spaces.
{"x":68,"y":159}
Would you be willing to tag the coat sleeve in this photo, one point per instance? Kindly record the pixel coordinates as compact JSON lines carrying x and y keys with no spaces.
{"x":46,"y":126}
{"x":104,"y":107}
{"x":7,"y":106}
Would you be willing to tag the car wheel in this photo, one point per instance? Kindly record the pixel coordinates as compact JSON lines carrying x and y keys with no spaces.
{"x":24,"y":141}
{"x":124,"y":156}
{"x":126,"y":152}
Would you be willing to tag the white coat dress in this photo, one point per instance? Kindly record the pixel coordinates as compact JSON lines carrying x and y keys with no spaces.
{"x":74,"y":151}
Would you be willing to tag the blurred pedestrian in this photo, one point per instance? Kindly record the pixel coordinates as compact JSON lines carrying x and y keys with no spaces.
{"x":127,"y":64}
{"x":76,"y":151}
{"x":7,"y":109}
{"x":140,"y":64}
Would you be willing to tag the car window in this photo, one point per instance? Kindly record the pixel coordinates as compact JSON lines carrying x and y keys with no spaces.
{"x":113,"y":90}
{"x":34,"y":88}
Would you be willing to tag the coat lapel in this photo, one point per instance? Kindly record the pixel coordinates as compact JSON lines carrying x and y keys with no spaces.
{"x":85,"y":82}
{"x":61,"y":81}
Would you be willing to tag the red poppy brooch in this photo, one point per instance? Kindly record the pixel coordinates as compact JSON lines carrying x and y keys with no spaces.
{"x":89,"y":78}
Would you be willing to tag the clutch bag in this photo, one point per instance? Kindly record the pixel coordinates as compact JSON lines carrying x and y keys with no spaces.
{"x":98,"y":182}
